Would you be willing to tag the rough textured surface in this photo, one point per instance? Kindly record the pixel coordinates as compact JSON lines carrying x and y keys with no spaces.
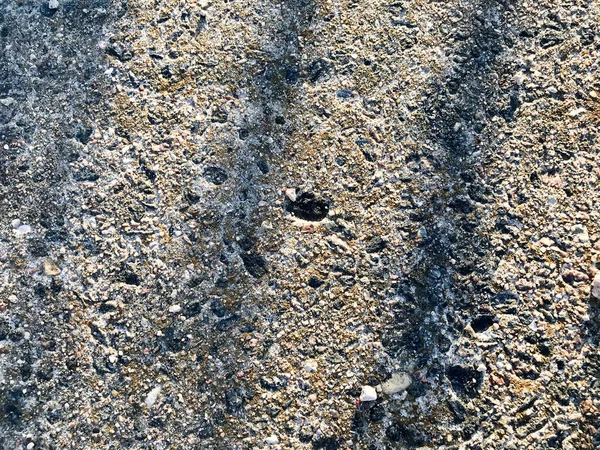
{"x":219,"y":220}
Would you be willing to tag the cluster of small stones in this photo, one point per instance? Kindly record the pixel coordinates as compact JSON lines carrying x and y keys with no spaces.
{"x":306,"y":224}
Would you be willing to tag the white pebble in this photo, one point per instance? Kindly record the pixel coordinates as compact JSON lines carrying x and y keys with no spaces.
{"x":368,"y":394}
{"x":30,"y":446}
{"x":175,"y":309}
{"x":399,"y":382}
{"x":519,"y":79}
{"x":577,"y":112}
{"x":310,"y":365}
{"x":50,"y":268}
{"x":596,"y":286}
{"x":291,"y":194}
{"x":53,"y":4}
{"x":7,"y":101}
{"x":23,"y":229}
{"x":152,"y":396}
{"x":272,"y":440}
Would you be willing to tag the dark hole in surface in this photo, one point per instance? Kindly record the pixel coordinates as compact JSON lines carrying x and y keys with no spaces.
{"x":482,"y":322}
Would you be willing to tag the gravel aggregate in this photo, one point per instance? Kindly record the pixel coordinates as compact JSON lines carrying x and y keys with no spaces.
{"x":306,"y":224}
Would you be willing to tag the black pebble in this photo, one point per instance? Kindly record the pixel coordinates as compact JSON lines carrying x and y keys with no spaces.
{"x":359,"y":422}
{"x":220,"y":115}
{"x":328,"y":443}
{"x":12,"y":413}
{"x":201,"y":23}
{"x":119,"y":52}
{"x":218,"y":308}
{"x":409,"y":434}
{"x":465,"y":380}
{"x":132,"y":278}
{"x":458,"y":410}
{"x":47,"y":12}
{"x":235,"y":400}
{"x":344,"y":93}
{"x":318,"y":69}
{"x":224,"y":324}
{"x":85,"y":174}
{"x":375,"y":245}
{"x":83,"y":134}
{"x":315,"y":282}
{"x":308,"y":206}
{"x":205,"y":429}
{"x":291,"y":76}
{"x":193,"y":308}
{"x":340,"y":160}
{"x":377,"y":413}
{"x":38,"y":247}
{"x":255,"y":264}
{"x":4,"y":330}
{"x":263,"y":166}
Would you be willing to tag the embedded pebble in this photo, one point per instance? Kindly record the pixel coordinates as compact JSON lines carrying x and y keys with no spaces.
{"x":577,"y":112}
{"x":50,"y":268}
{"x":368,"y":394}
{"x":272,"y":440}
{"x":596,"y":286}
{"x":175,"y":309}
{"x":7,"y":101}
{"x":23,"y":229}
{"x":152,"y":397}
{"x":581,"y":232}
{"x":290,"y":193}
{"x":311,"y":365}
{"x":400,"y":381}
{"x":246,"y":213}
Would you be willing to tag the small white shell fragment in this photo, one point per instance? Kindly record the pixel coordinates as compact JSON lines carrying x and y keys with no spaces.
{"x":310,"y":365}
{"x":577,"y":112}
{"x":175,"y":309}
{"x":291,"y":194}
{"x":152,"y":396}
{"x":596,"y":286}
{"x":7,"y":101}
{"x":53,"y":4}
{"x":519,"y":79}
{"x":50,"y":268}
{"x":368,"y":394}
{"x":272,"y":440}
{"x":400,"y":381}
{"x":340,"y":243}
{"x":23,"y":229}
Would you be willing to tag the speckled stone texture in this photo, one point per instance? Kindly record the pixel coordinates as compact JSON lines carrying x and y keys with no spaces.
{"x":222,"y":221}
